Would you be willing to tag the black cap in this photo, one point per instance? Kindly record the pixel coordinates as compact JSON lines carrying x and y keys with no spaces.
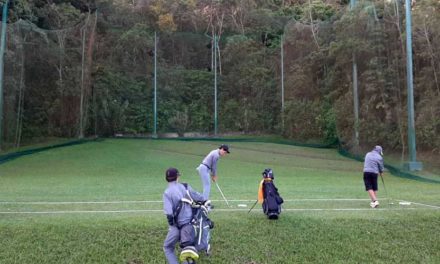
{"x":171,"y":174}
{"x":224,"y":147}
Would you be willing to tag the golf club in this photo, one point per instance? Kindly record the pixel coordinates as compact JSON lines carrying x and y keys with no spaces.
{"x":224,"y":198}
{"x":384,"y":187}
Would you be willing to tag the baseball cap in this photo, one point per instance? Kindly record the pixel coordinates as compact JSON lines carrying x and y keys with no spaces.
{"x":378,"y":149}
{"x":171,"y":174}
{"x":224,"y":147}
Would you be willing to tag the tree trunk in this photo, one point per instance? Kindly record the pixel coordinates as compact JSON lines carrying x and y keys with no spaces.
{"x":431,"y":54}
{"x":311,"y":24}
{"x":87,"y":61}
{"x":90,"y":49}
{"x":20,"y":105}
{"x":81,"y":102}
{"x":61,"y":36}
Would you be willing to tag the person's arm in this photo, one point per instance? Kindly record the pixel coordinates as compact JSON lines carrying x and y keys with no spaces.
{"x":381,"y":166}
{"x":214,"y":160}
{"x":168,"y":209}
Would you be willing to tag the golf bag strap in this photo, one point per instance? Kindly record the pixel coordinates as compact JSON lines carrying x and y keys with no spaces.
{"x":181,"y":202}
{"x":187,"y":199}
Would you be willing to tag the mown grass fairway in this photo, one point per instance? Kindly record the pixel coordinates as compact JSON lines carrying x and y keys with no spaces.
{"x":100,"y":202}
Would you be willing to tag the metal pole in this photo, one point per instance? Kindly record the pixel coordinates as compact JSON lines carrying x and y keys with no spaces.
{"x":282,"y":81}
{"x":2,"y":52}
{"x":215,"y":84}
{"x":155,"y":86}
{"x":355,"y":91}
{"x":412,"y":164}
{"x":212,"y":53}
{"x":352,"y":4}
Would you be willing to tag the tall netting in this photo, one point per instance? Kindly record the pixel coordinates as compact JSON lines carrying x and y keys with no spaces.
{"x":247,"y":83}
{"x":42,"y":84}
{"x":320,"y":56}
{"x":281,"y":67}
{"x":185,"y":83}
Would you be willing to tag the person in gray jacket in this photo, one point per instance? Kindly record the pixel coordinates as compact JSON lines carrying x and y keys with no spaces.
{"x":177,"y":200}
{"x":208,"y":168}
{"x":373,"y":167}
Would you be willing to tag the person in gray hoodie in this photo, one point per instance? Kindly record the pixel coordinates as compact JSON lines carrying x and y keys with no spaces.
{"x":177,"y":200}
{"x":373,"y":167}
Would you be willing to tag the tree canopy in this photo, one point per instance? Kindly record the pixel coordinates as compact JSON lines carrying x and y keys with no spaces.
{"x":93,"y":71}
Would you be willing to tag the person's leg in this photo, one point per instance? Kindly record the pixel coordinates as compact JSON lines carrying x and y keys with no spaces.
{"x":206,"y":180}
{"x":372,"y":195}
{"x":371,"y":187}
{"x":170,"y":244}
{"x":374,"y":183}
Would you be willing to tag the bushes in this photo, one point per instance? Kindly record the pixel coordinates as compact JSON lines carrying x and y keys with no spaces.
{"x":310,"y":120}
{"x":428,"y":124}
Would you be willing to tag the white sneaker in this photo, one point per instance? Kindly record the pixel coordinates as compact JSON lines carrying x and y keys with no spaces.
{"x":374,"y":204}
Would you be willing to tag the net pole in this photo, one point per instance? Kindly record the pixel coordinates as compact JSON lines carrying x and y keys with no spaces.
{"x":2,"y":52}
{"x":355,"y":90}
{"x":155,"y":86}
{"x":215,"y":84}
{"x":412,"y":164}
{"x":282,"y":81}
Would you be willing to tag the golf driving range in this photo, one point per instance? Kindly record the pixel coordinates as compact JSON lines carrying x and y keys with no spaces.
{"x":101,"y":202}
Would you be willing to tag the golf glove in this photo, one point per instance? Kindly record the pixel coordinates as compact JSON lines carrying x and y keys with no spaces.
{"x":170,"y":219}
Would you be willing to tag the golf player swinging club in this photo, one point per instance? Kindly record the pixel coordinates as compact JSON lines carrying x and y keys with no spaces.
{"x":373,"y":167}
{"x":208,"y":170}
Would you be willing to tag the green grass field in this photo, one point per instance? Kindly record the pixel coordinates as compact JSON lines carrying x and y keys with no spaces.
{"x":100,"y":202}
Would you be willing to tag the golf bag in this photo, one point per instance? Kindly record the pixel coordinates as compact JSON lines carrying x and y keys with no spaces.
{"x":271,"y":198}
{"x":202,"y":226}
{"x":200,"y":222}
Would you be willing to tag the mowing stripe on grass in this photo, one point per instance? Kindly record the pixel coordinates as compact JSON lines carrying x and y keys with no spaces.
{"x":217,"y":210}
{"x":147,"y":201}
{"x":83,"y":202}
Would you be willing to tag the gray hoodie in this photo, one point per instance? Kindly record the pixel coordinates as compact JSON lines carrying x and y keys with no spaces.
{"x":374,"y":161}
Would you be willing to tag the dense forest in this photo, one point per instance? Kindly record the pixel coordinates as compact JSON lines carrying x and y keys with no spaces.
{"x":79,"y":68}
